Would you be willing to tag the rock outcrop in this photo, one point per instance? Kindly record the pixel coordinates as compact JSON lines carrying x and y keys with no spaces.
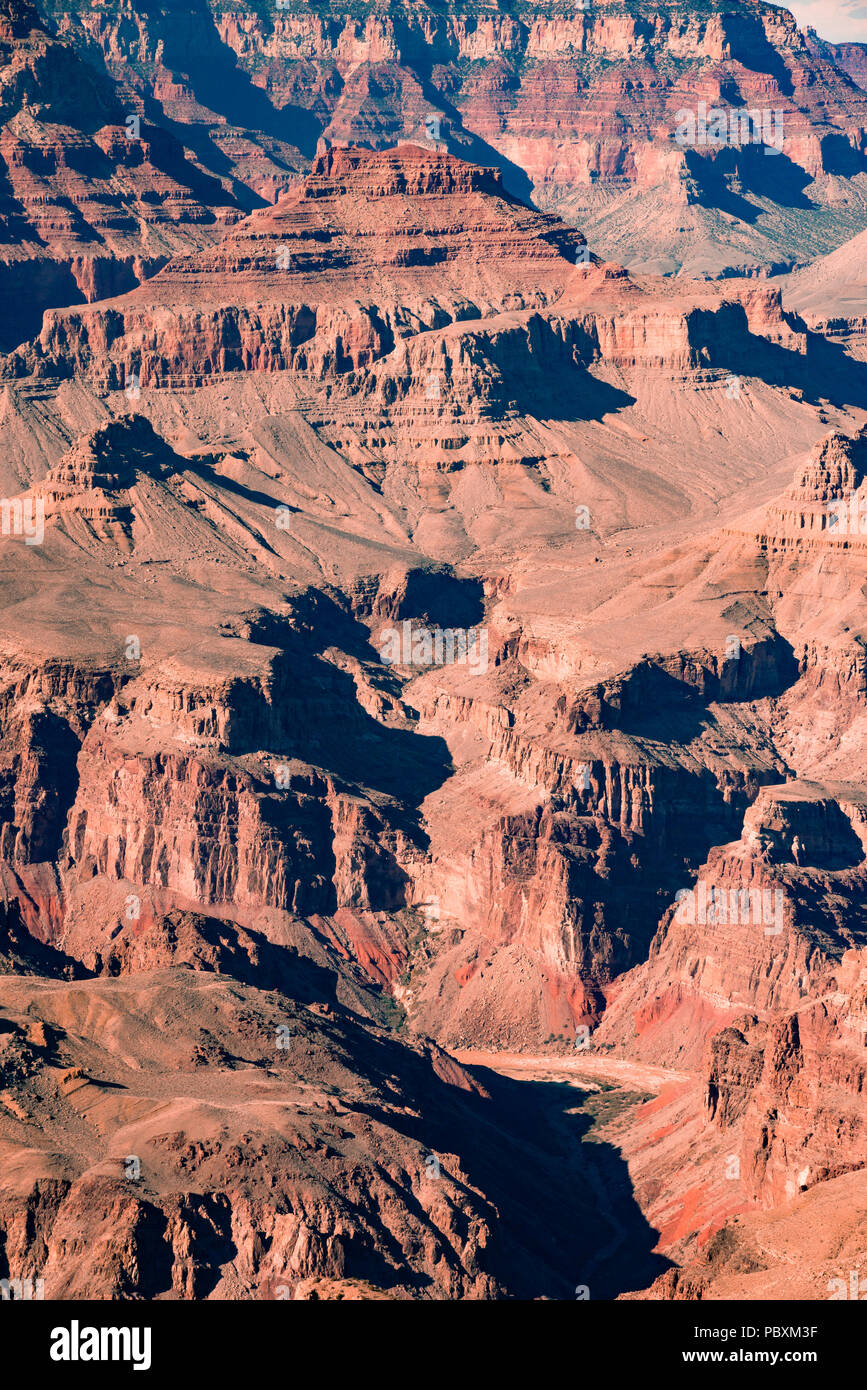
{"x":95,"y":197}
{"x":412,"y":626}
{"x":850,"y":57}
{"x":579,"y":106}
{"x":251,"y":1146}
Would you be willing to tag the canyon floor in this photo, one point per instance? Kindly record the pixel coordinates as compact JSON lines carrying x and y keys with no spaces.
{"x":433,"y":662}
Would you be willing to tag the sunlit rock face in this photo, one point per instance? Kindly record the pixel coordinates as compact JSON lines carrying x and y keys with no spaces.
{"x":424,"y":634}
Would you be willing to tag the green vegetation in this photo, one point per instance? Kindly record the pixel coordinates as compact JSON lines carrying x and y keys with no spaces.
{"x":611,"y":1103}
{"x":394,"y":1014}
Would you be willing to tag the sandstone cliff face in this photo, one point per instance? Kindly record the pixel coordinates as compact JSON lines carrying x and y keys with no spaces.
{"x":87,"y":209}
{"x":309,"y":270}
{"x":217,"y":764}
{"x":754,"y":987}
{"x":480,"y":323}
{"x":851,"y":58}
{"x":527,"y":55}
{"x":584,"y":818}
{"x":755,"y":979}
{"x":581,"y":108}
{"x":231,"y":813}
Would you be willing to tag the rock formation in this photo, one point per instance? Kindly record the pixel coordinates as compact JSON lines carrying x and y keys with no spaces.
{"x":579,"y":106}
{"x":423,"y":633}
{"x":94,"y":197}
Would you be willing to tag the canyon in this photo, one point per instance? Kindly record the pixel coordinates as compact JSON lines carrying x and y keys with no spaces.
{"x":526,"y":952}
{"x":578,"y":106}
{"x":185,"y":119}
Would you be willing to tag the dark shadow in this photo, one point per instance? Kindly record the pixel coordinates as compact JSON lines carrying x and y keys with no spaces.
{"x":80,"y":94}
{"x":349,"y":742}
{"x":343,"y":737}
{"x":752,"y":169}
{"x":192,"y":46}
{"x":750,"y":45}
{"x":198,"y":138}
{"x":831,"y":374}
{"x":24,"y":954}
{"x":27,"y":289}
{"x":840,"y":157}
{"x":828,"y":839}
{"x":208,"y":1218}
{"x":770,"y":173}
{"x":562,"y":1211}
{"x":53,"y":748}
{"x":436,"y":597}
{"x":151,"y":1254}
{"x":627,"y":1261}
{"x":168,"y":156}
{"x":466,"y":145}
{"x":555,"y":383}
{"x":650,"y":701}
{"x":574,"y":394}
{"x":824,"y":373}
{"x":845,"y":849}
{"x":205,"y":470}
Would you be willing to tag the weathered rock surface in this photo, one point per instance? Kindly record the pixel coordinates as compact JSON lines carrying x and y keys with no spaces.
{"x":270,"y":494}
{"x":831,"y":295}
{"x":808,"y":1250}
{"x":851,"y":57}
{"x":579,"y":107}
{"x":177,"y":1134}
{"x":90,"y":205}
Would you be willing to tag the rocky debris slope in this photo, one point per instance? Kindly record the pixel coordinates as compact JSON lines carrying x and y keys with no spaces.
{"x":430,"y":640}
{"x":178,"y":1134}
{"x":811,"y":1250}
{"x":831,"y":294}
